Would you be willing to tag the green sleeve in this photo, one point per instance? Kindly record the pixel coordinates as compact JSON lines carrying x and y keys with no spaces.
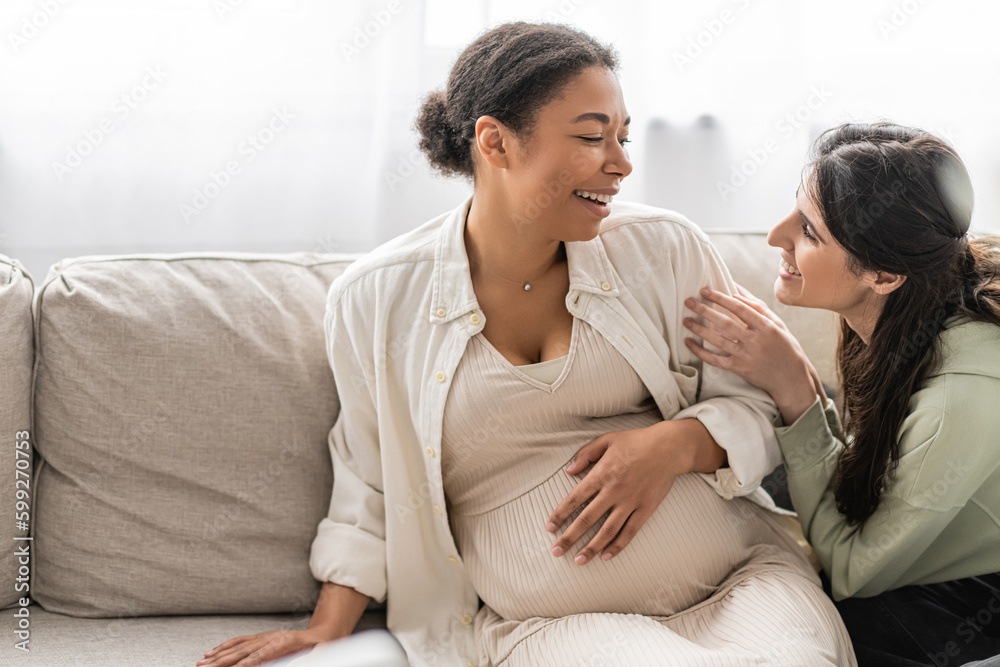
{"x":943,"y":462}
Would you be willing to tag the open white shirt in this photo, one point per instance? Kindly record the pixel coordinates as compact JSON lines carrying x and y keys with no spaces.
{"x":397,"y":324}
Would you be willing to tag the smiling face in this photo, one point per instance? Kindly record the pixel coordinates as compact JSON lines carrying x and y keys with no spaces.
{"x":577,"y":145}
{"x":813,"y":271}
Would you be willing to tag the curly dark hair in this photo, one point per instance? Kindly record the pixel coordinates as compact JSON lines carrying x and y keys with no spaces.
{"x":510,"y":73}
{"x":898,"y":200}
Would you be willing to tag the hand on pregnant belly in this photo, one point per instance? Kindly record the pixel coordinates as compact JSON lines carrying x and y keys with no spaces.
{"x":632,"y":474}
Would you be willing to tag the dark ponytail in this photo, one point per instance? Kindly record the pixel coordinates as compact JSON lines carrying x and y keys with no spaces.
{"x":899,"y":200}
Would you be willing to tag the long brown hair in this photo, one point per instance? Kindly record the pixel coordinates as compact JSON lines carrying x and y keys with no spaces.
{"x":898,"y":200}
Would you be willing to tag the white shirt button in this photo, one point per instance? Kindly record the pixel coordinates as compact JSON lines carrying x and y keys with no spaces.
{"x":474,"y":319}
{"x":437,"y":508}
{"x":452,"y":559}
{"x":471,"y":664}
{"x":441,"y":312}
{"x":467,"y":619}
{"x":606,"y":286}
{"x":439,"y":376}
{"x":430,"y":451}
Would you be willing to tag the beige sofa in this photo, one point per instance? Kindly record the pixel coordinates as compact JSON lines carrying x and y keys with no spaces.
{"x":177,"y":409}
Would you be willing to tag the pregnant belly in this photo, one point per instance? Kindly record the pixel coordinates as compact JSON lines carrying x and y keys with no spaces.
{"x":679,"y":557}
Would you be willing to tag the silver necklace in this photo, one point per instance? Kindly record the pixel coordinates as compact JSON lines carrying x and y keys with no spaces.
{"x":525,"y":285}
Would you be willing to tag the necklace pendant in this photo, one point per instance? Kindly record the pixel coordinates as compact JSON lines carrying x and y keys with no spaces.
{"x":527,"y":287}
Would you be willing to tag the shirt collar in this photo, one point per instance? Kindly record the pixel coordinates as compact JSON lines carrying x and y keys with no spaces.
{"x":452,"y":292}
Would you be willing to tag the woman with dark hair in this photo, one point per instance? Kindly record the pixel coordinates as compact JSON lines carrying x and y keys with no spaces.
{"x":903,"y":504}
{"x":476,"y":355}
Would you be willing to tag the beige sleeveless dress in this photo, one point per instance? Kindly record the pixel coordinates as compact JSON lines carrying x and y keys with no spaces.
{"x":706,"y":581}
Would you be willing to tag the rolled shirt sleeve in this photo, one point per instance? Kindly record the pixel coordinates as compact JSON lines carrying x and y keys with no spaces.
{"x":349,"y":548}
{"x":737,"y":414}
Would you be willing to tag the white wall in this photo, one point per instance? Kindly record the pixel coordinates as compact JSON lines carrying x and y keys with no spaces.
{"x":166,"y":93}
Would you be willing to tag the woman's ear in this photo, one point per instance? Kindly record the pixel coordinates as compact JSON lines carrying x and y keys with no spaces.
{"x":493,"y":141}
{"x":885,"y":283}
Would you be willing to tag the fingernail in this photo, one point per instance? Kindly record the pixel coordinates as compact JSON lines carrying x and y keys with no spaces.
{"x":551,"y":527}
{"x":706,"y":291}
{"x":606,"y":555}
{"x":580,"y":559}
{"x":557,"y":551}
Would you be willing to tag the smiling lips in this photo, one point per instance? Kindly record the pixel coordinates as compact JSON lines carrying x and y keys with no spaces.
{"x":594,"y":196}
{"x":788,"y":267}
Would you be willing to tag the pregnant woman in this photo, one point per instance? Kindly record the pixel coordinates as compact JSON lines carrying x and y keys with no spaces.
{"x":902,"y":506}
{"x":477,"y":354}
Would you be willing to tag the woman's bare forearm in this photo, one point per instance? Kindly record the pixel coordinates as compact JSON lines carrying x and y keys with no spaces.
{"x":696,"y":448}
{"x":338,"y":611}
{"x":707,"y":455}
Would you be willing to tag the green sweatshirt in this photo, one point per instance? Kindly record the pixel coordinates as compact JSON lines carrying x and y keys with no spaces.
{"x":939,"y":516}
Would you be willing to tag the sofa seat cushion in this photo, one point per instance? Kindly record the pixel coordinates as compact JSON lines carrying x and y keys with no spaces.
{"x":151,"y":641}
{"x":182,"y":408}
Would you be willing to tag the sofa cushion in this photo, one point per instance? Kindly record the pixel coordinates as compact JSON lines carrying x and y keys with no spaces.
{"x":16,"y":352}
{"x":182,"y":408}
{"x":754,"y":265}
{"x":152,"y":641}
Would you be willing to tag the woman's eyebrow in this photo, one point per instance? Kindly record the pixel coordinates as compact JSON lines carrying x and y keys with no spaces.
{"x":599,"y":117}
{"x":811,"y":225}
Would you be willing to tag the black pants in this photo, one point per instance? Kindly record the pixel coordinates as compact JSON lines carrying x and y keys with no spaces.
{"x":943,"y":625}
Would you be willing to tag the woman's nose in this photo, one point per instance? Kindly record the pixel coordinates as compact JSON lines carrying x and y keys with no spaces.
{"x":619,"y":163}
{"x":626,"y":164}
{"x":778,"y":236}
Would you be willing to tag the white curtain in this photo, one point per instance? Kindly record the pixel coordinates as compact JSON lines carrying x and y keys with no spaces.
{"x":280,"y":125}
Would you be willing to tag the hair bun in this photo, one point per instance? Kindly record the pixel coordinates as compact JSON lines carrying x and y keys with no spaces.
{"x":444,"y":146}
